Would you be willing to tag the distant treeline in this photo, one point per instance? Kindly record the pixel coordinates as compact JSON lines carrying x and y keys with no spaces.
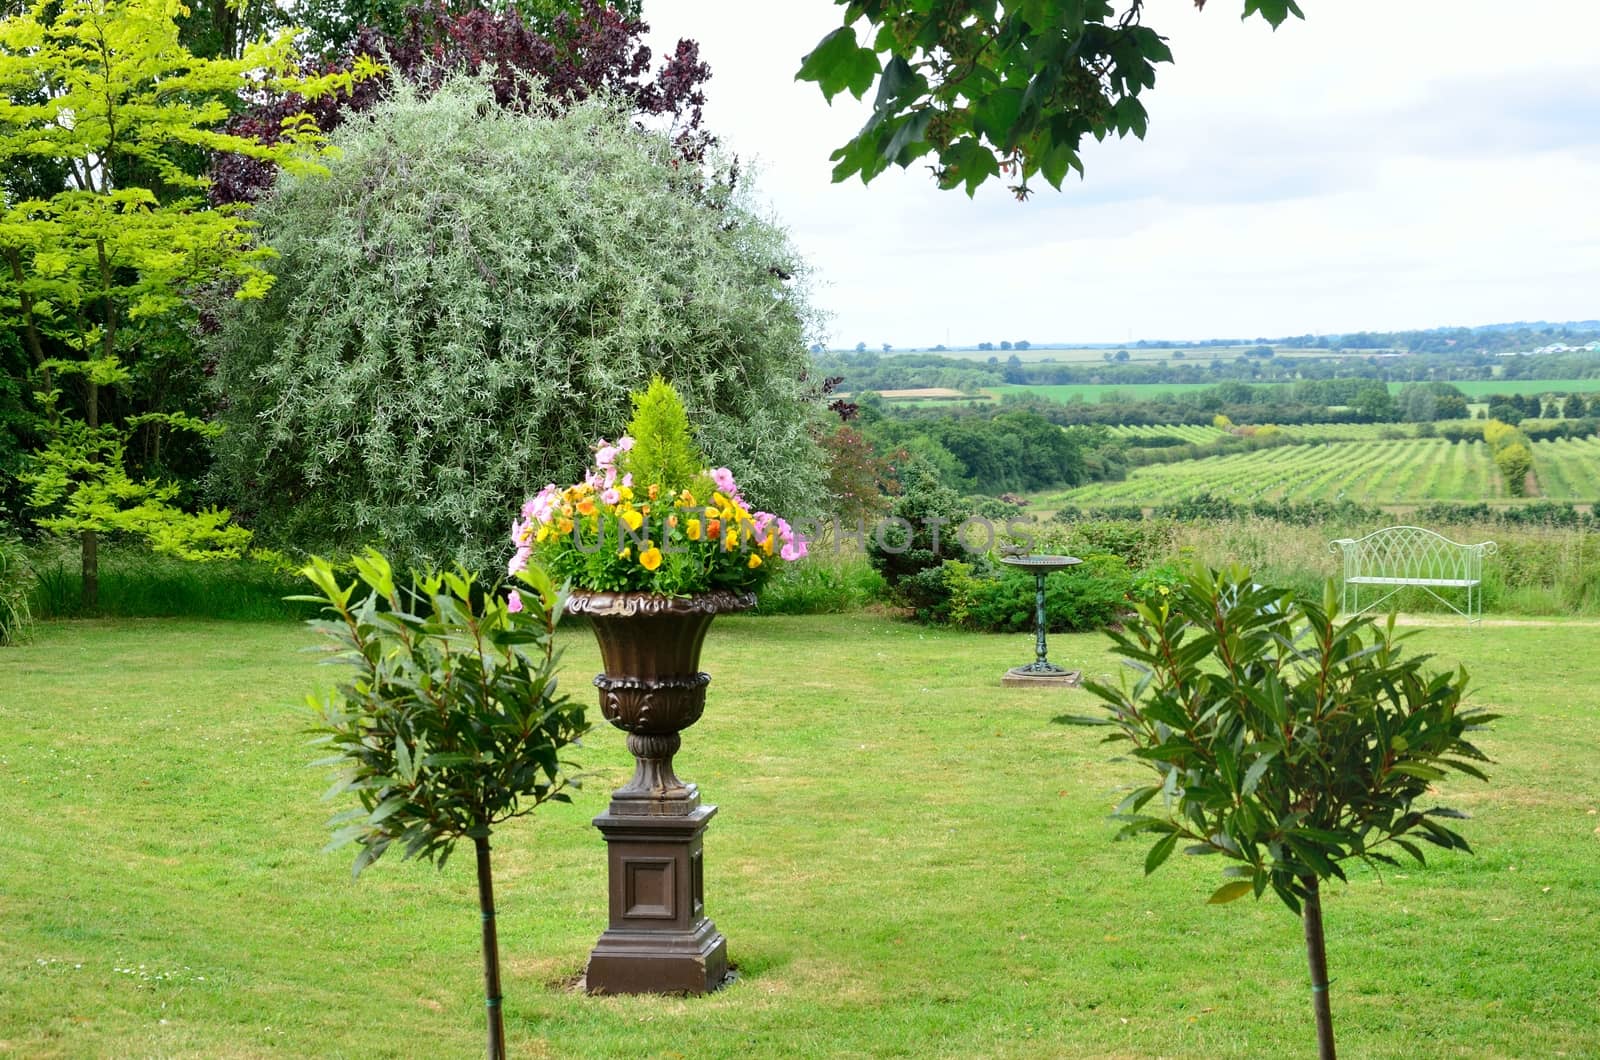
{"x":995,"y":450}
{"x":874,"y":371}
{"x":1306,"y":401}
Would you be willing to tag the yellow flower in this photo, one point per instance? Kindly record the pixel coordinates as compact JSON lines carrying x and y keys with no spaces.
{"x":564,"y":527}
{"x":686,"y":499}
{"x":633,"y":519}
{"x":625,"y":553}
{"x":766,"y":546}
{"x":755,"y":561}
{"x":650,"y":558}
{"x":732,"y":541}
{"x":586,"y":506}
{"x":692,"y":530}
{"x":625,"y":492}
{"x":719,"y":501}
{"x":543,"y":534}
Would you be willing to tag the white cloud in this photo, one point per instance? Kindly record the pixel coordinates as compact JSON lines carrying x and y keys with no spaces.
{"x":1379,"y":165}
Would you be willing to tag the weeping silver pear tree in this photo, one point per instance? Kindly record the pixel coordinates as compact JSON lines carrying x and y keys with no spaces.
{"x":465,"y":303}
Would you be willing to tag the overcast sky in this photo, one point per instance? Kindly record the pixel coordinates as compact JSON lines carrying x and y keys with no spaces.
{"x":1385,"y":164}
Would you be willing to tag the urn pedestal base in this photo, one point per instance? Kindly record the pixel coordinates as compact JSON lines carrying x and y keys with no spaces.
{"x":659,"y":939}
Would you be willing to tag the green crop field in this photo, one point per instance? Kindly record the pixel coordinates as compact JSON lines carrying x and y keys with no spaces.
{"x":1477,"y":388}
{"x":1192,"y":433}
{"x":1310,"y":432}
{"x":1398,"y":471}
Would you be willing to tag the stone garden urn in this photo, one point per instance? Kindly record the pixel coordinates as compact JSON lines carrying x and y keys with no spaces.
{"x":659,"y":939}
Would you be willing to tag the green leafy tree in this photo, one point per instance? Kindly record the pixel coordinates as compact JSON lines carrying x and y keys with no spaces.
{"x":1449,"y":403}
{"x":1505,"y":412}
{"x":1375,"y":402}
{"x":450,"y":723}
{"x":466,"y":303}
{"x":1512,"y":452}
{"x":1285,"y":739}
{"x":993,"y":88}
{"x":1515,"y":461}
{"x":1418,"y":403}
{"x":103,"y":91}
{"x":1572,"y":407}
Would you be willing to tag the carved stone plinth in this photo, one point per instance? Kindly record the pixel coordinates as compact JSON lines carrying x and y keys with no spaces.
{"x":659,"y":939}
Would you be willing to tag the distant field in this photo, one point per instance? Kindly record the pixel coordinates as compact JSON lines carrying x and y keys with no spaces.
{"x":1483,"y":387}
{"x":1097,"y":354}
{"x":1403,"y":471}
{"x":1094,"y":392}
{"x":1136,"y":392}
{"x":926,"y":393}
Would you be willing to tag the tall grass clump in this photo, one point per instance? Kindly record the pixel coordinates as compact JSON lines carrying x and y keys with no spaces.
{"x":826,"y":582}
{"x":1539,"y":569}
{"x":16,"y":615}
{"x":138,"y":584}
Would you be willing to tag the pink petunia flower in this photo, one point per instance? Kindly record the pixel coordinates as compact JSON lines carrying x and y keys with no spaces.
{"x":514,"y":602}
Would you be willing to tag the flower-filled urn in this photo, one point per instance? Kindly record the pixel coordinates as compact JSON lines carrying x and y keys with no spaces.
{"x":654,"y":545}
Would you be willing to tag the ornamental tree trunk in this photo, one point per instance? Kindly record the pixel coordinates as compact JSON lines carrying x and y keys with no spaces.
{"x":491,"y":954}
{"x":89,"y":540}
{"x":1317,"y":958}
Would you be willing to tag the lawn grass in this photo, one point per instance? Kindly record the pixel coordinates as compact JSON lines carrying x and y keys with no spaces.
{"x":909,"y":861}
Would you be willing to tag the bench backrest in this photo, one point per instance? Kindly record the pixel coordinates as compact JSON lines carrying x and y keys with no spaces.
{"x":1412,"y":552}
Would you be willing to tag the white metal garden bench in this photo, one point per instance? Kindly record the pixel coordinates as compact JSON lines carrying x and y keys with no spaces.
{"x":1399,"y":557}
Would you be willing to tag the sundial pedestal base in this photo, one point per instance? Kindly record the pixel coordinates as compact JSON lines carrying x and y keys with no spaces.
{"x":1028,"y":677}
